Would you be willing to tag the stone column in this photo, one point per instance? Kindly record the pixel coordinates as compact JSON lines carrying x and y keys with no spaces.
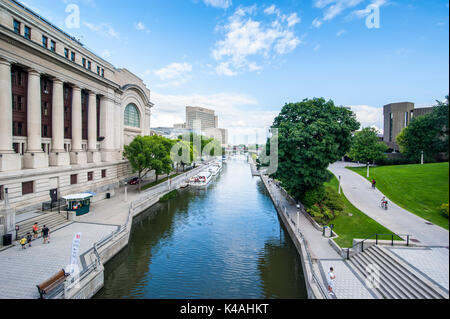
{"x":77,"y":155}
{"x":35,"y":156}
{"x":93,"y":155}
{"x":9,"y":161}
{"x":58,"y":156}
{"x":108,"y":152}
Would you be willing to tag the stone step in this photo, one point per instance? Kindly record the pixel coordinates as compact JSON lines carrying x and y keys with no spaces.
{"x":397,"y":280}
{"x":395,"y":277}
{"x":419,"y":279}
{"x":51,"y":220}
{"x":385,"y":289}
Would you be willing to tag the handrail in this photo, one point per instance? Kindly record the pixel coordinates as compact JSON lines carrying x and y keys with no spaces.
{"x":376,"y":238}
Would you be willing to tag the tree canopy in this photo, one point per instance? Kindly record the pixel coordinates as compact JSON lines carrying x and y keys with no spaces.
{"x":428,"y":133}
{"x":311,"y":135}
{"x":366,"y":147}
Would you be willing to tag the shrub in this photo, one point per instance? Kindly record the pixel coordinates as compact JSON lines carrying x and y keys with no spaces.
{"x":444,"y":209}
{"x":327,"y":209}
{"x":169,"y":196}
{"x":313,"y":196}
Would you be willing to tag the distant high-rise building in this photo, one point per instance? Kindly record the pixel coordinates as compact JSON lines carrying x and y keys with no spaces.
{"x":206,"y":116}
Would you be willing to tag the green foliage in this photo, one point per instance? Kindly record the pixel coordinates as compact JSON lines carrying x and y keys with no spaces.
{"x":444,"y":209}
{"x":168,"y":196}
{"x":210,"y":146}
{"x":311,"y":135}
{"x":366,"y":147}
{"x":428,"y":133}
{"x":328,"y":208}
{"x":313,"y":196}
{"x":147,"y":153}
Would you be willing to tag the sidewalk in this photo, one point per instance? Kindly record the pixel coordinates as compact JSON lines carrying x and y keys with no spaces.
{"x":22,"y":270}
{"x":348,"y":285}
{"x":359,"y":192}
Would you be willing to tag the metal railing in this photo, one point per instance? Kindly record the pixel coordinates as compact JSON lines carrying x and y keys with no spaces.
{"x":392,"y":235}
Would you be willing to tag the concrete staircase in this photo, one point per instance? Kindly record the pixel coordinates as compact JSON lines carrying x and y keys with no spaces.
{"x":397,"y":279}
{"x":51,"y":220}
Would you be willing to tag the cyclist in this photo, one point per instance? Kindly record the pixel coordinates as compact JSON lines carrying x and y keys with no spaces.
{"x":384,"y":202}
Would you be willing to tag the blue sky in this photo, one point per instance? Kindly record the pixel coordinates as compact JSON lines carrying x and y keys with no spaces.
{"x":245,"y":59}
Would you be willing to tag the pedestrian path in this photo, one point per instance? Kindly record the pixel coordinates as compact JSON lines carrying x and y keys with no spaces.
{"x":359,"y":192}
{"x":348,"y":284}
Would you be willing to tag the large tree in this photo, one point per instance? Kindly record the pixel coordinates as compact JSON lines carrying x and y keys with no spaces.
{"x":312,"y":134}
{"x":148,"y":153}
{"x":366,"y":147}
{"x":428,"y":133}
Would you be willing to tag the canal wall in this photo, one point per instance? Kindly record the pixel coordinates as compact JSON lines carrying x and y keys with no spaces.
{"x":311,"y":270}
{"x":91,"y":277}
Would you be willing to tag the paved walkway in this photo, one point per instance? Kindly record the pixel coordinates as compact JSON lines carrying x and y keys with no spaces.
{"x":359,"y":192}
{"x":348,"y":284}
{"x":22,"y":270}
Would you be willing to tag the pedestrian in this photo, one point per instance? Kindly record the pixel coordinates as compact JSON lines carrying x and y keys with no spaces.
{"x":29,"y":239}
{"x":331,"y":279}
{"x":23,"y":242}
{"x":374,"y":183}
{"x":45,"y":234}
{"x":35,"y":230}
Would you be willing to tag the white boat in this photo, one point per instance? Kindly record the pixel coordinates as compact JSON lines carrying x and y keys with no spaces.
{"x":202,"y":179}
{"x":214,"y":169}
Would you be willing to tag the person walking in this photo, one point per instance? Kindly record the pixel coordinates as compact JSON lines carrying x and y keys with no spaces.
{"x":29,"y":239}
{"x":331,"y":279}
{"x":23,"y":242}
{"x":45,"y":234}
{"x":35,"y":230}
{"x":374,"y":183}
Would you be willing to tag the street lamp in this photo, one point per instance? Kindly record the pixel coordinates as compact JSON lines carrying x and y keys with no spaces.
{"x":339,"y":190}
{"x":368,"y":169}
{"x":421,"y":158}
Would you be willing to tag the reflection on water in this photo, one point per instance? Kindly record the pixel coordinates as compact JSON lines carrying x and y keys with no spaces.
{"x":223,"y":242}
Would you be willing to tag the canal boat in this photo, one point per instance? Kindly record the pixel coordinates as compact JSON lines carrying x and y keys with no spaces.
{"x":200,"y":180}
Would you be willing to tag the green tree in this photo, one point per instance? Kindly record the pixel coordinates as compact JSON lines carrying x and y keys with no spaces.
{"x":139,"y":153}
{"x":428,"y":133}
{"x":147,"y":153}
{"x":312,"y":134}
{"x":366,"y":147}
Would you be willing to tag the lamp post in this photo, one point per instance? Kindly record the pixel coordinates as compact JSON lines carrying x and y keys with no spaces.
{"x":421,"y":158}
{"x":126,"y":192}
{"x":339,"y":190}
{"x":368,"y":169}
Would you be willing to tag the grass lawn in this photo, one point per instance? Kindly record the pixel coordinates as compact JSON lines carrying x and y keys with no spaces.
{"x":150,"y":185}
{"x":352,"y":223}
{"x":420,"y":189}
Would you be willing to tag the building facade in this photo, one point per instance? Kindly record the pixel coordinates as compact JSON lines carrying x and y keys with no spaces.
{"x":65,"y":113}
{"x":397,"y":116}
{"x":206,"y":116}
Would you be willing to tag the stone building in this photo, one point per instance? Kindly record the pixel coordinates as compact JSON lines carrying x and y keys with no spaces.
{"x":397,"y":116}
{"x":65,"y":113}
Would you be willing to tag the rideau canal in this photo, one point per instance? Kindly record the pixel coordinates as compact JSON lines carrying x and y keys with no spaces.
{"x":225,"y":241}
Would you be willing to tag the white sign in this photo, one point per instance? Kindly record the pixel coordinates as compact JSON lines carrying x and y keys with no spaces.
{"x":74,"y":252}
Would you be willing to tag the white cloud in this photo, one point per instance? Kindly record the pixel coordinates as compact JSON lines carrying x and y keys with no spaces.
{"x":223,"y":4}
{"x":141,"y":27}
{"x":247,"y":37}
{"x":364,"y":12}
{"x":316,"y":48}
{"x":369,"y":116}
{"x":106,"y":54}
{"x":341,"y":32}
{"x":173,"y":75}
{"x":237,"y":112}
{"x":332,"y":8}
{"x":103,"y":28}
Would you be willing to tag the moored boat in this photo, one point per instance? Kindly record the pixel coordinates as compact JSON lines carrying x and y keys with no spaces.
{"x":202,"y":179}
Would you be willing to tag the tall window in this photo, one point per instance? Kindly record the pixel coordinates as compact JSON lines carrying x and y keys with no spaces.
{"x":73,"y":179}
{"x":406,"y":119}
{"x":83,"y":61}
{"x":27,"y":188}
{"x":27,"y":33}
{"x":72,"y":56}
{"x":66,"y":53}
{"x":16,"y":26}
{"x":103,"y":73}
{"x":98,"y":70}
{"x":89,"y":65}
{"x":44,"y":41}
{"x":132,"y":117}
{"x":53,"y":46}
{"x":1,"y":192}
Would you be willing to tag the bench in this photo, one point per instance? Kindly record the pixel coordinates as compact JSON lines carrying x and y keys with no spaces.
{"x":52,"y":283}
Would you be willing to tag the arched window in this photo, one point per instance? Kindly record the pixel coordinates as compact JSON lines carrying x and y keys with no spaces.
{"x":132,"y":117}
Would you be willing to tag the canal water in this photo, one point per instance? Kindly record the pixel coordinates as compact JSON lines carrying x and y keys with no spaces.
{"x":225,"y":242}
